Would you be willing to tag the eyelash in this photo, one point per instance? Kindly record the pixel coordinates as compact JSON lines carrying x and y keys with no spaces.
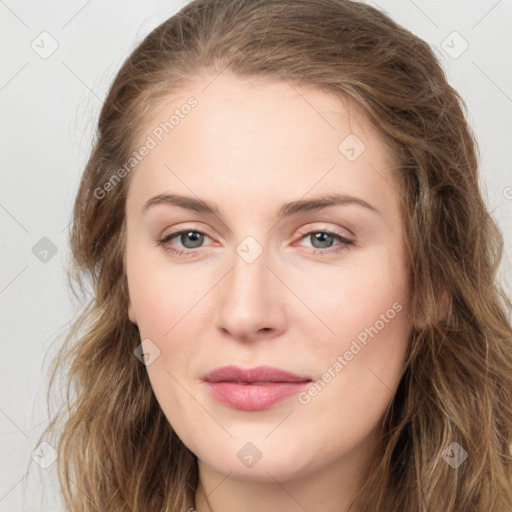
{"x":342,"y":246}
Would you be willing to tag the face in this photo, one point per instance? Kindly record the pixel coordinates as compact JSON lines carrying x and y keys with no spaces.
{"x":267,"y":275}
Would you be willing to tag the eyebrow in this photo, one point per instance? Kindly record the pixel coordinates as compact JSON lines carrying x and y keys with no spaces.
{"x":288,"y":209}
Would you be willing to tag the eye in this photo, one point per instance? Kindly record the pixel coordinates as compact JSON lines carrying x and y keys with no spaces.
{"x":323,"y":241}
{"x":189,"y":238}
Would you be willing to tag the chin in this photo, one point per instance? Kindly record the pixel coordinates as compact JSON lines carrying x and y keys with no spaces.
{"x":260,"y":461}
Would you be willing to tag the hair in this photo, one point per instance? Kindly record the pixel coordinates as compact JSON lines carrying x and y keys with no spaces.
{"x":116,"y":449}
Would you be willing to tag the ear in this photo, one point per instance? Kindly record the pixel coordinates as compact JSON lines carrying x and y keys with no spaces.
{"x":131,"y":313}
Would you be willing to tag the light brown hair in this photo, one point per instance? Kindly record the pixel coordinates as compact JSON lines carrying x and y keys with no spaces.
{"x":117,"y":451}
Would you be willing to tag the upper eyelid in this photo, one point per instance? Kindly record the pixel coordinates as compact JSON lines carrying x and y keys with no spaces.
{"x":333,"y":231}
{"x":175,"y":233}
{"x":301,"y":231}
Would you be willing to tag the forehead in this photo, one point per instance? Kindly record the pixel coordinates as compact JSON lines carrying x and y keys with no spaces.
{"x":256,"y":136}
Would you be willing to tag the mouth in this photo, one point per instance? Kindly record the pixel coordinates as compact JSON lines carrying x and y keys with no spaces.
{"x":253,"y":389}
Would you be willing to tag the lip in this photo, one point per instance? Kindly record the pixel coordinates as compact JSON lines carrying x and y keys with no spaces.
{"x":253,"y":389}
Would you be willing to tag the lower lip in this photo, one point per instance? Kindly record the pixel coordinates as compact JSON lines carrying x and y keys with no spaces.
{"x":249,"y":397}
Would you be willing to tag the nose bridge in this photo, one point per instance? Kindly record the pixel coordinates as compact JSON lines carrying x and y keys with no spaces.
{"x":249,"y":275}
{"x":248,"y":300}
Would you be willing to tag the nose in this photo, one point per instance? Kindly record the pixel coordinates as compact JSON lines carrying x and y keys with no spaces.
{"x":250,"y":300}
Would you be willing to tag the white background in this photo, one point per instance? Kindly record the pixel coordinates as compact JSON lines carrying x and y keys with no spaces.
{"x":49,"y":108}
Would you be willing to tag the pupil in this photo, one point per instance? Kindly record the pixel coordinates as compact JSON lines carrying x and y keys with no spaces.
{"x":196,"y":237}
{"x":322,"y":238}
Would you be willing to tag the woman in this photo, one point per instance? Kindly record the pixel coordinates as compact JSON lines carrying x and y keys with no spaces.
{"x":296,"y":304}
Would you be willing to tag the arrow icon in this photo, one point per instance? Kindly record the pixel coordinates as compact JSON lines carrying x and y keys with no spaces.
{"x":247,"y":252}
{"x":454,"y":45}
{"x":351,"y":147}
{"x":44,"y":455}
{"x":249,"y":455}
{"x":147,"y":352}
{"x":44,"y":250}
{"x":45,"y":45}
{"x":454,"y":455}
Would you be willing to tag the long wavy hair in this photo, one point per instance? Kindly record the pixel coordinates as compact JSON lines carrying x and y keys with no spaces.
{"x":117,"y":451}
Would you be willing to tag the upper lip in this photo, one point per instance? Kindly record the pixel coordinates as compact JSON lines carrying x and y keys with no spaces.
{"x":251,"y":375}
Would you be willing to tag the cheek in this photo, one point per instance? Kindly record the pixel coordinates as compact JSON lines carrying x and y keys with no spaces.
{"x":163,"y":299}
{"x":160,"y":294}
{"x":362,"y":368}
{"x":354,"y":295}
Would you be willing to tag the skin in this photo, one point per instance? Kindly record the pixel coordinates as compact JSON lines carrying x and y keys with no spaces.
{"x":249,"y":147}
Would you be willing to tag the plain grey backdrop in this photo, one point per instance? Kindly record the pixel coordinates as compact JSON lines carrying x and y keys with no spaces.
{"x":58,"y":61}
